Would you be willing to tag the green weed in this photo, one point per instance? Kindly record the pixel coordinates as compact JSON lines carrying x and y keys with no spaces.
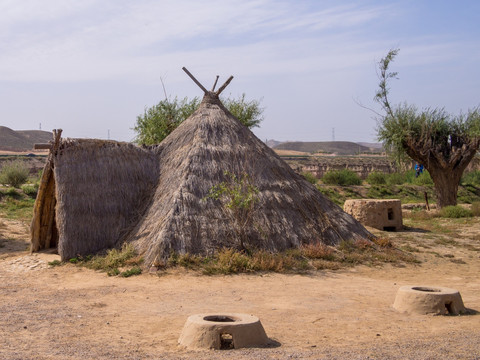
{"x":310,"y":177}
{"x":18,"y":207}
{"x":30,"y":190}
{"x":112,"y":261}
{"x":131,"y":272}
{"x":376,"y":178}
{"x":455,"y":212}
{"x":343,"y":177}
{"x":55,"y":263}
{"x":14,"y":173}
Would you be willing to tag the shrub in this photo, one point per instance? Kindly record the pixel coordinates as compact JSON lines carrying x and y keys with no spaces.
{"x":318,"y":251}
{"x":419,"y":215}
{"x":409,"y":176}
{"x":376,"y":178}
{"x":30,"y":190}
{"x":395,"y":178}
{"x":455,"y":212}
{"x":131,"y":272}
{"x":14,"y":173}
{"x":341,"y":177}
{"x":310,"y":177}
{"x":472,"y":177}
{"x":423,"y":179}
{"x":12,"y":192}
{"x":476,"y":208}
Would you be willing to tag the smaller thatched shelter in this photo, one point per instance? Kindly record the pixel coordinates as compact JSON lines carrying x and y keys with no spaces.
{"x":107,"y":193}
{"x":91,"y":193}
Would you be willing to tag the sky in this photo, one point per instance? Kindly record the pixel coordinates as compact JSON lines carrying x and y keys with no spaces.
{"x":91,"y":67}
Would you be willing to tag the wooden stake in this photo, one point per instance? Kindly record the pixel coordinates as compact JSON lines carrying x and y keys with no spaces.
{"x":215,"y":84}
{"x":426,"y":200}
{"x":224,"y":85}
{"x":195,"y":80}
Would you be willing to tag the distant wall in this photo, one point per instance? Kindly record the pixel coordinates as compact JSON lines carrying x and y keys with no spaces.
{"x":361,"y":165}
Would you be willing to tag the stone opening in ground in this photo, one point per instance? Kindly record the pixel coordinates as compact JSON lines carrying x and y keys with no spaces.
{"x":223,"y":332}
{"x":219,"y":318}
{"x":425,"y":289}
{"x":226,"y":342}
{"x":429,"y":300}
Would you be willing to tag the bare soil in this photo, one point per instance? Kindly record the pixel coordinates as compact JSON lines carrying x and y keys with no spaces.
{"x":69,"y":312}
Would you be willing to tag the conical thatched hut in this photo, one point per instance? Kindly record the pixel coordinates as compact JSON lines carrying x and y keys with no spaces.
{"x":157,"y":198}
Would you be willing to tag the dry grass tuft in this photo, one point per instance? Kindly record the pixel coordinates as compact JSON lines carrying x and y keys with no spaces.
{"x":125,"y":258}
{"x":318,"y":251}
{"x":309,"y":257}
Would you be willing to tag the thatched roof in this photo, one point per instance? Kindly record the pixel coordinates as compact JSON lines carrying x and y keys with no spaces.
{"x":157,"y":198}
{"x":100,"y":189}
{"x":194,"y":158}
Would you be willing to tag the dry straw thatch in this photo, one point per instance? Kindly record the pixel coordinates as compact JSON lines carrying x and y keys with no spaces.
{"x":108,"y":193}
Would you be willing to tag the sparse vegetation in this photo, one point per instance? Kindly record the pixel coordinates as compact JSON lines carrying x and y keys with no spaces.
{"x":123,"y":262}
{"x":30,"y":190}
{"x":341,"y":177}
{"x":309,"y":257}
{"x":455,"y":212}
{"x":475,"y":208}
{"x":238,"y":196}
{"x":471,"y":178}
{"x":14,"y":173}
{"x":310,"y":177}
{"x":376,"y":178}
{"x":14,"y":205}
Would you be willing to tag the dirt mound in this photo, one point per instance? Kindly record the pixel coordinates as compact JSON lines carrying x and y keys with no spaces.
{"x":22,"y":140}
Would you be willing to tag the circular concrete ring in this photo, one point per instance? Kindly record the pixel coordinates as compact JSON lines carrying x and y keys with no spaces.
{"x":222,"y":332}
{"x":429,"y":300}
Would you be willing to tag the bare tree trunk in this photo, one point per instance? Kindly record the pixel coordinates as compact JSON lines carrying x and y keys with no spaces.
{"x":446,"y":185}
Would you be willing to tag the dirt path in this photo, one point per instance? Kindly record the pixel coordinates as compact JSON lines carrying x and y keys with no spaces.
{"x":67,"y":312}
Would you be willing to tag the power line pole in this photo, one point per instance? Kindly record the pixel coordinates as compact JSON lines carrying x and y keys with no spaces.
{"x":333,"y":134}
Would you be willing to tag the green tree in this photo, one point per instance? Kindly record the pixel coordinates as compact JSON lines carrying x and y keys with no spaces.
{"x":443,"y":143}
{"x":249,"y":113}
{"x":161,"y":119}
{"x":158,"y":121}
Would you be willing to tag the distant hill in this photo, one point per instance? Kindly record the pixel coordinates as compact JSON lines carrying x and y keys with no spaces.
{"x":372,"y":145}
{"x":22,"y":140}
{"x":330,"y":147}
{"x":272,"y":143}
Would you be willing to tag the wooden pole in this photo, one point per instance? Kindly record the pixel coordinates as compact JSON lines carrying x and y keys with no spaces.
{"x":215,"y":84}
{"x":224,"y":85}
{"x":42,"y":209}
{"x":42,"y":146}
{"x":195,"y":80}
{"x":426,"y":200}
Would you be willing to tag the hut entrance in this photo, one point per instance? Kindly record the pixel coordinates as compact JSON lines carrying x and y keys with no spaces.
{"x":44,"y":227}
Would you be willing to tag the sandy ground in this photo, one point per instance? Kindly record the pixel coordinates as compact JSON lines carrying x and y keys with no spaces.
{"x":67,"y":312}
